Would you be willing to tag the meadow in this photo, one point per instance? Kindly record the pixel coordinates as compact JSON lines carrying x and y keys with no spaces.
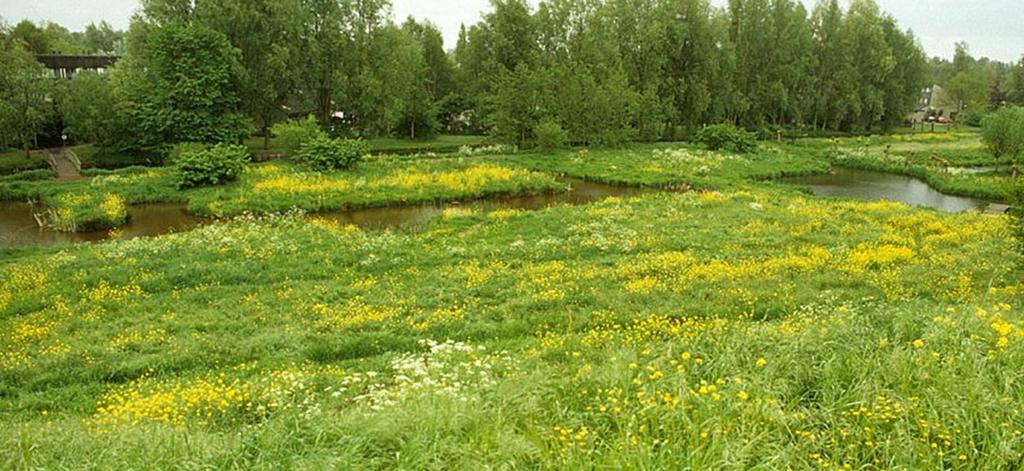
{"x":744,"y":329}
{"x":741,"y":324}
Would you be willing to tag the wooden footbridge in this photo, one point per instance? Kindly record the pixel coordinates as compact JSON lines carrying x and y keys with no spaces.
{"x":65,"y":163}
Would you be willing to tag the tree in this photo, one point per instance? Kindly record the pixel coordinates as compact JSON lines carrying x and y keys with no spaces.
{"x":1016,"y":86}
{"x":903,"y":84}
{"x":325,"y":45}
{"x":181,"y":86}
{"x":24,"y":95}
{"x":1003,"y":133}
{"x":161,"y":12}
{"x":833,"y":74}
{"x":968,"y":89}
{"x":266,"y":32}
{"x":85,"y":107}
{"x":102,"y":39}
{"x":517,"y":104}
{"x":33,"y":37}
{"x":872,"y":62}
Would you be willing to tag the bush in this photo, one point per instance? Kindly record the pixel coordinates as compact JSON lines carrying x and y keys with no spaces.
{"x":1003,"y":133}
{"x":728,"y":137}
{"x":291,"y":135}
{"x":972,"y":118}
{"x":198,"y":165}
{"x":325,"y":154}
{"x":550,"y":135}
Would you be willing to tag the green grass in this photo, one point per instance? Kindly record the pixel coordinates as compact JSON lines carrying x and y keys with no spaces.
{"x":676,"y":165}
{"x":441,"y":143}
{"x":745,"y":329}
{"x":13,"y":162}
{"x":277,"y":187}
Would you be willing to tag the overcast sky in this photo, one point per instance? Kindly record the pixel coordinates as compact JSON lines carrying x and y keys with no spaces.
{"x":993,"y":28}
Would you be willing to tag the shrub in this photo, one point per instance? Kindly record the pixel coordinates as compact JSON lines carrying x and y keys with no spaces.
{"x":728,"y":137}
{"x":326,"y":154}
{"x":550,"y":135}
{"x":972,"y":118}
{"x":1003,"y":133}
{"x":291,"y":135}
{"x":198,"y":165}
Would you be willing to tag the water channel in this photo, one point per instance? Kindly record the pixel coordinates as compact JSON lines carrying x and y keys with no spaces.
{"x":18,"y":226}
{"x":875,"y":186}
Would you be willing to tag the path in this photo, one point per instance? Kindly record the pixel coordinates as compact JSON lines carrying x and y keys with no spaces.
{"x":65,"y":163}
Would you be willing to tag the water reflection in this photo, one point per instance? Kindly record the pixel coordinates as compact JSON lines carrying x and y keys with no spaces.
{"x":19,"y":228}
{"x":873,"y":186}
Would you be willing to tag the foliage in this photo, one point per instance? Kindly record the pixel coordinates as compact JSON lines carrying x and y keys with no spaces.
{"x":1003,"y":132}
{"x":727,"y":136}
{"x":549,"y":135}
{"x":324,"y":154}
{"x":24,"y":108}
{"x":266,"y":33}
{"x":86,"y":107}
{"x":178,"y":84}
{"x":15,"y":161}
{"x":198,"y":165}
{"x":291,"y":135}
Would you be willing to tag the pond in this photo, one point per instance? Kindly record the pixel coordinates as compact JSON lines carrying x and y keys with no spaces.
{"x":873,"y":186}
{"x":18,"y":227}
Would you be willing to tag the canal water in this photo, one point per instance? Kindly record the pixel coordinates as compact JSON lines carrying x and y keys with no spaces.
{"x":18,"y":227}
{"x":875,"y":186}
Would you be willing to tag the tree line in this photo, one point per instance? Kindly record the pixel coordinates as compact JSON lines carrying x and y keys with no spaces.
{"x":593,"y":71}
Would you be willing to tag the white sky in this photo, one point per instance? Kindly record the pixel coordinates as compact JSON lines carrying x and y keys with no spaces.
{"x":993,"y":28}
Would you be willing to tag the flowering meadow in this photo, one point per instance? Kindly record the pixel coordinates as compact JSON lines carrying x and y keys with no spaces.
{"x":741,"y":328}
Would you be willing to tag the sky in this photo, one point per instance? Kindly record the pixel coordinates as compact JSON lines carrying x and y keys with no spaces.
{"x":993,"y":28}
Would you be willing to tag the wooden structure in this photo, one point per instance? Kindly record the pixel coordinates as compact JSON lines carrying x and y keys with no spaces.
{"x":66,"y":67}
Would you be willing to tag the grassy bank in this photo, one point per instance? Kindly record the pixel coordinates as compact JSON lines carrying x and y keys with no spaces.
{"x":275,"y":188}
{"x":715,"y":330}
{"x":441,"y":143}
{"x":675,"y":165}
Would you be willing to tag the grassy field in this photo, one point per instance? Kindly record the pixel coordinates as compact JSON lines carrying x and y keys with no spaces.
{"x":736,"y":329}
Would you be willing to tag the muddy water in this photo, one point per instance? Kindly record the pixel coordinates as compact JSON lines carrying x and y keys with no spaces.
{"x":874,"y":186}
{"x":19,"y":228}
